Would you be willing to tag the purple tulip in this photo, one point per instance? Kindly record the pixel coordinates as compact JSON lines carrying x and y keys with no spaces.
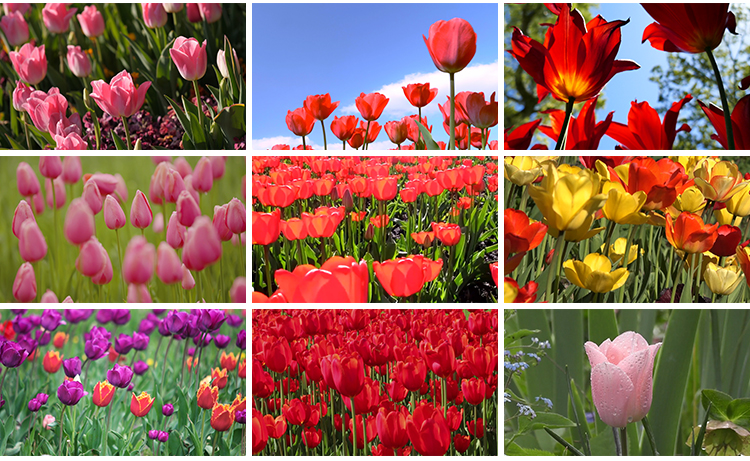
{"x":234,"y":321}
{"x":34,"y":405}
{"x":222,"y":341}
{"x":240,"y":416}
{"x":120,"y":376}
{"x":76,"y":316}
{"x":131,"y":387}
{"x":191,"y":330}
{"x":191,"y":351}
{"x":22,"y":325}
{"x":70,"y":392}
{"x":140,"y":367}
{"x":241,"y":339}
{"x":104,"y":316}
{"x":211,"y":319}
{"x":12,"y":354}
{"x":51,"y":319}
{"x":176,"y":321}
{"x":72,"y":367}
{"x":2,"y":402}
{"x":42,"y":397}
{"x":140,"y":341}
{"x":96,"y":348}
{"x":146,"y":326}
{"x":120,"y":316}
{"x":163,"y":436}
{"x":28,"y":343}
{"x":167,"y":409}
{"x":35,"y":320}
{"x":18,"y":311}
{"x":42,"y":337}
{"x":203,"y":340}
{"x":159,"y":311}
{"x":162,"y":328}
{"x":152,"y":434}
{"x":123,"y":344}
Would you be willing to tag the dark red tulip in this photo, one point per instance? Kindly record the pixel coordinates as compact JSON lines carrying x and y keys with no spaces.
{"x":391,"y":426}
{"x":428,"y":430}
{"x":348,"y":374}
{"x":278,"y":355}
{"x":727,"y":241}
{"x":442,"y":360}
{"x":688,"y":27}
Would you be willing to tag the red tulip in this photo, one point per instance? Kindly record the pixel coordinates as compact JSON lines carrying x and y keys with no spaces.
{"x":476,"y":428}
{"x":338,"y":280}
{"x":385,"y":188}
{"x":357,"y":138}
{"x":452,"y":45}
{"x":419,"y":94}
{"x":411,"y":372}
{"x":645,"y":131}
{"x":294,"y":229}
{"x":300,"y":121}
{"x":689,"y":234}
{"x":520,"y":234}
{"x":688,"y":27}
{"x":260,"y":434}
{"x":428,"y":430}
{"x":311,"y":437}
{"x":442,"y":360}
{"x":278,"y":355}
{"x":276,"y":426}
{"x":480,"y":113}
{"x":320,"y":106}
{"x":658,"y":179}
{"x":583,"y":131}
{"x":280,"y":196}
{"x":348,"y":374}
{"x":397,"y":130}
{"x":451,"y":179}
{"x":371,"y":105}
{"x":391,"y":427}
{"x":520,"y":138}
{"x":740,"y":119}
{"x":474,"y":390}
{"x":726,"y":242}
{"x":265,"y":227}
{"x":581,"y":75}
{"x":449,"y":234}
{"x":343,"y":128}
{"x":461,"y":442}
{"x":404,"y":276}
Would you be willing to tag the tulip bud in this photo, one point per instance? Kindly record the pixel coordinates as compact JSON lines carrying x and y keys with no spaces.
{"x":370,"y":232}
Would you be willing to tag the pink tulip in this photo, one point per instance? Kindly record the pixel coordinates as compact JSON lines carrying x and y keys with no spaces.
{"x":236,"y":216}
{"x":22,"y":8}
{"x":173,"y":185}
{"x":188,"y":282}
{"x":217,"y":166}
{"x":157,"y":159}
{"x":238,"y":292}
{"x":79,"y":222}
{"x":203,"y":175}
{"x":67,"y":300}
{"x":183,"y":167}
{"x":140,"y":211}
{"x":211,"y":12}
{"x":59,"y":194}
{"x":15,"y":29}
{"x":154,"y":15}
{"x":175,"y":232}
{"x":158,"y":224}
{"x":220,"y":223}
{"x":621,"y":378}
{"x":21,"y":95}
{"x":190,"y":58}
{"x":93,"y":197}
{"x":173,"y":7}
{"x":78,"y":62}
{"x":23,"y":212}
{"x":31,"y":243}
{"x":244,"y":189}
{"x":71,"y":141}
{"x":187,"y":209}
{"x":202,"y":245}
{"x":114,"y":217}
{"x":156,"y":190}
{"x":138,"y":294}
{"x":49,"y":297}
{"x":92,"y":22}
{"x":119,"y":98}
{"x":236,"y":240}
{"x":57,"y":17}
{"x":189,"y":187}
{"x":28,"y":184}
{"x":24,"y":286}
{"x":168,"y":265}
{"x":30,"y":63}
{"x":121,"y":190}
{"x":48,"y":113}
{"x":106,"y":182}
{"x":50,"y":167}
{"x":90,"y":260}
{"x":71,"y":169}
{"x":38,"y":203}
{"x":138,"y":264}
{"x":105,"y":275}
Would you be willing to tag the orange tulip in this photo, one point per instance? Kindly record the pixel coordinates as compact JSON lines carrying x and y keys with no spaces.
{"x":52,"y":361}
{"x":406,"y":276}
{"x":520,"y":234}
{"x":103,"y":393}
{"x":293,"y":229}
{"x":60,"y":339}
{"x":380,"y":220}
{"x":228,"y":361}
{"x":449,"y":234}
{"x":658,"y":179}
{"x":266,"y":227}
{"x":221,"y":417}
{"x":424,"y":238}
{"x":207,"y":396}
{"x":357,"y":217}
{"x":241,"y":372}
{"x":689,"y":234}
{"x":141,"y":405}
{"x":219,"y":377}
{"x":409,"y":194}
{"x":338,"y":280}
{"x":322,"y":224}
{"x":385,"y":188}
{"x":279,"y":196}
{"x":452,"y":179}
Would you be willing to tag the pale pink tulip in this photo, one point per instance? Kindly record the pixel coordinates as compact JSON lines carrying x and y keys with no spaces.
{"x":78,"y":62}
{"x":119,"y":98}
{"x":92,"y":196}
{"x":49,"y":419}
{"x":188,"y":282}
{"x":20,"y":95}
{"x":49,"y":296}
{"x":236,"y":216}
{"x":48,"y":112}
{"x":140,"y":211}
{"x":202,"y":245}
{"x":138,"y":294}
{"x":79,"y":222}
{"x":31,"y":243}
{"x":71,"y":141}
{"x":173,"y":7}
{"x":158,"y":224}
{"x":92,"y":22}
{"x":157,"y":159}
{"x":238,"y":292}
{"x":114,"y":217}
{"x":138,"y":263}
{"x":24,"y":286}
{"x":175,"y":232}
{"x":22,"y":213}
{"x":168,"y":265}
{"x":30,"y":63}
{"x":90,"y":260}
{"x":57,"y":17}
{"x":223,"y":64}
{"x":621,"y":378}
{"x":59,"y":195}
{"x":203,"y":176}
{"x":67,"y":300}
{"x":15,"y":29}
{"x":154,"y":15}
{"x":217,"y":166}
{"x":28,"y":184}
{"x":189,"y":57}
{"x":50,"y":166}
{"x":71,"y":169}
{"x":187,"y":209}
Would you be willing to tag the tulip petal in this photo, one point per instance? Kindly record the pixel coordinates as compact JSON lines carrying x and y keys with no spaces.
{"x":639,"y":368}
{"x":611,"y":389}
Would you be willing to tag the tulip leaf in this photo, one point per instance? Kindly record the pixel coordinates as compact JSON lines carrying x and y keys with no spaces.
{"x":427,"y":137}
{"x":515,"y":450}
{"x":719,"y":403}
{"x":182,"y":408}
{"x":119,"y":143}
{"x":232,"y":122}
{"x":542,"y":420}
{"x":516,"y":336}
{"x":181,"y":117}
{"x":603,"y":444}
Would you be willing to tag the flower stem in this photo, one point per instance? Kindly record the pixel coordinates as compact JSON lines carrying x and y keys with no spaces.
{"x":563,"y":137}
{"x":724,"y":103}
{"x":122,"y":276}
{"x":203,"y":425}
{"x":62,"y":420}
{"x":650,"y":435}
{"x":325,"y":144}
{"x":268,"y":270}
{"x":367,"y":133}
{"x":452,"y":122}
{"x":556,"y":256}
{"x":164,"y":369}
{"x":127,"y":130}
{"x":354,"y":427}
{"x":199,"y":103}
{"x":217,"y":434}
{"x":28,"y":141}
{"x":624,"y":440}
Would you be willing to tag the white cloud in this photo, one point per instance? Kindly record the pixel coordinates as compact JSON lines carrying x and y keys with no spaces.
{"x":477,"y":78}
{"x":294,"y":141}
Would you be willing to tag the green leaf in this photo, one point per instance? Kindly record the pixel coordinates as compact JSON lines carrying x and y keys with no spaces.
{"x":231,"y":120}
{"x":119,"y":144}
{"x":514,"y":337}
{"x":719,"y":403}
{"x":175,"y":444}
{"x":182,"y":409}
{"x":542,"y":420}
{"x":181,"y":116}
{"x":430,"y":144}
{"x":739,"y":409}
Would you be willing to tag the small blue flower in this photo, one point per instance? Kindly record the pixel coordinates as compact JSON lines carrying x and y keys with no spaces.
{"x":546,"y":401}
{"x":526,"y":410}
{"x":506,"y":397}
{"x":534,"y":356}
{"x":545,"y":345}
{"x":534,"y":340}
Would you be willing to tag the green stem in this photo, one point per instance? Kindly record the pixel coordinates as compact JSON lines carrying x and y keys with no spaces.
{"x":618,"y":442}
{"x":268,"y":270}
{"x":28,"y":142}
{"x":724,"y":102}
{"x":62,"y":420}
{"x":304,"y":147}
{"x":562,"y":139}
{"x":203,"y":426}
{"x":650,"y":435}
{"x":164,"y":369}
{"x":367,"y":133}
{"x":199,"y":103}
{"x":127,"y":133}
{"x":556,"y":256}
{"x":452,"y":122}
{"x":624,"y":440}
{"x":217,"y":434}
{"x":325,"y":143}
{"x":122,"y":275}
{"x":354,"y":427}
{"x":677,"y":277}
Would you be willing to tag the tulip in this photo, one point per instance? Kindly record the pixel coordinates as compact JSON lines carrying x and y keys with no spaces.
{"x":346,"y":279}
{"x":238,"y":291}
{"x":621,"y":378}
{"x":720,"y":181}
{"x":119,"y":98}
{"x":70,"y":392}
{"x":120,"y":376}
{"x":522,"y":170}
{"x":370,"y":106}
{"x":140,"y":257}
{"x":428,"y":430}
{"x":123,"y":344}
{"x":644,"y":132}
{"x":71,"y":366}
{"x":141,"y":405}
{"x":78,"y":62}
{"x":343,"y":128}
{"x":689,"y":234}
{"x":173,"y":7}
{"x":15,"y":28}
{"x":187,"y":209}
{"x":175,"y":232}
{"x":474,"y":390}
{"x":188,"y":282}
{"x":47,"y":421}
{"x":49,"y":297}
{"x":419,"y":94}
{"x":28,"y":184}
{"x":31,"y":243}
{"x":168,"y":265}
{"x":34,"y":405}
{"x":521,"y":234}
{"x":21,"y":96}
{"x":103,"y":393}
{"x":737,"y":121}
{"x":480,"y":113}
{"x":24,"y":285}
{"x":300,"y":122}
{"x":203,"y":175}
{"x":52,"y":361}
{"x":728,"y":237}
{"x":221,"y":417}
{"x":688,"y":28}
{"x":397,"y":131}
{"x":107,"y":183}
{"x":622,"y":207}
{"x":140,"y":211}
{"x":91,"y":21}
{"x":595,"y":273}
{"x":744,"y":261}
{"x":207,"y":396}
{"x":57,"y":17}
{"x":219,"y":377}
{"x":722,"y":280}
{"x":406,"y":276}
{"x":189,"y":56}
{"x":71,"y":141}
{"x":348,"y":374}
{"x":449,"y":234}
{"x":167,"y":409}
{"x":210,"y":12}
{"x":391,"y":428}
{"x":223,"y":64}
{"x":202,"y":245}
{"x":154,"y":15}
{"x":114,"y":217}
{"x":90,"y":261}
{"x":30,"y":63}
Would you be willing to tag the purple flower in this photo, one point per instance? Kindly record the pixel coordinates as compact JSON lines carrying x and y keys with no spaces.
{"x":140,"y":367}
{"x":70,"y":392}
{"x":191,"y":351}
{"x":51,"y":319}
{"x":120,"y":376}
{"x":97,"y":331}
{"x":35,"y":320}
{"x":162,"y":328}
{"x":202,"y":340}
{"x":140,"y":341}
{"x":152,"y":434}
{"x":163,"y":436}
{"x":19,"y":311}
{"x":120,"y":316}
{"x":146,"y":326}
{"x":167,"y":409}
{"x":211,"y":319}
{"x":42,"y":337}
{"x":176,"y":321}
{"x":241,"y":339}
{"x":22,"y":325}
{"x":96,"y":348}
{"x":12,"y":354}
{"x":28,"y":343}
{"x":222,"y":341}
{"x":240,"y":416}
{"x":159,"y":311}
{"x":42,"y":397}
{"x":234,"y":321}
{"x":191,"y":330}
{"x":76,"y":316}
{"x":131,"y":387}
{"x":34,"y":405}
{"x":72,"y":367}
{"x":104,"y":316}
{"x":123,"y":344}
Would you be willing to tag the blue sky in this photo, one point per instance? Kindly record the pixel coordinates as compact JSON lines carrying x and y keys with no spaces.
{"x":346,"y":49}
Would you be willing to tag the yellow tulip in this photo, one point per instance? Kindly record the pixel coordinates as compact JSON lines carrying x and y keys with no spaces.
{"x":617,"y":250}
{"x":739,"y":204}
{"x":689,"y":162}
{"x":522,"y":170}
{"x":595,"y":273}
{"x":725,"y":217}
{"x":722,"y":280}
{"x":577,"y":235}
{"x":720,"y":181}
{"x":566,"y":202}
{"x":622,"y":207}
{"x":691,"y":200}
{"x":511,"y":291}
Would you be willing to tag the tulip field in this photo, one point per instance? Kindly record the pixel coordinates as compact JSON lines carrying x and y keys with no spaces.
{"x":116,"y":229}
{"x":398,"y":382}
{"x":123,"y":76}
{"x":121,"y":382}
{"x":374,"y":229}
{"x":682,"y":221}
{"x":604,"y":382}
